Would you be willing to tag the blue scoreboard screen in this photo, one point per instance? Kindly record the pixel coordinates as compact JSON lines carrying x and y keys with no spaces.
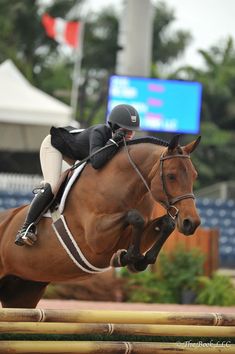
{"x":163,"y":105}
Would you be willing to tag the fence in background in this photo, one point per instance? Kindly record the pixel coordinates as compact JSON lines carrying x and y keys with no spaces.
{"x":13,"y":182}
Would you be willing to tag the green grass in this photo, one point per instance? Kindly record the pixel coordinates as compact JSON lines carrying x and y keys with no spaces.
{"x":102,"y":337}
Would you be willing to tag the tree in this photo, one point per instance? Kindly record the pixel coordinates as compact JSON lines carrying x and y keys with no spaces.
{"x":20,"y":34}
{"x":47,"y":65}
{"x":100,"y":50}
{"x":167,"y":46}
{"x":23,"y":39}
{"x":218,"y":79}
{"x":215,"y":158}
{"x":101,"y":42}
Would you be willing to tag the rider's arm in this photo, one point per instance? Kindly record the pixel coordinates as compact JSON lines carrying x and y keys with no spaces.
{"x":101,"y":136}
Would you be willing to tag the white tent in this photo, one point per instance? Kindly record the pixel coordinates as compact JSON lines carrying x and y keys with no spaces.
{"x":26,"y":113}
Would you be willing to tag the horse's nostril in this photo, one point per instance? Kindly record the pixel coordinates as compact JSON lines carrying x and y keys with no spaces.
{"x":188,"y":225}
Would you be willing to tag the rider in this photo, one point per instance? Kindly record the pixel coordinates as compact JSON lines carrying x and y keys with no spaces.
{"x":73,"y":144}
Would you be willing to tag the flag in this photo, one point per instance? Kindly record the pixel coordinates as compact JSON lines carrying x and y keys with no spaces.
{"x":62,"y":31}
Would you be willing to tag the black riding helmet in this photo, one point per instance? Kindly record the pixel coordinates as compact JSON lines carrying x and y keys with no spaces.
{"x":124,"y":116}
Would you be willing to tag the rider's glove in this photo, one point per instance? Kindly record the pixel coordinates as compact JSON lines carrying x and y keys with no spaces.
{"x":118,"y":136}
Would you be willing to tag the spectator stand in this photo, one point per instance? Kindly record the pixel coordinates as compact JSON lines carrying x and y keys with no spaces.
{"x":16,"y":190}
{"x":220,"y":214}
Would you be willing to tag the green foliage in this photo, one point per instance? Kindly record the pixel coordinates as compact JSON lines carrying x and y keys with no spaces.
{"x":167,"y":46}
{"x":47,"y":66}
{"x":51,"y":292}
{"x":146,"y":287}
{"x":217,"y":77}
{"x":177,"y":272}
{"x":218,"y":290}
{"x":44,"y":62}
{"x":100,"y":41}
{"x":213,"y":159}
{"x":181,"y":269}
{"x":60,"y":86}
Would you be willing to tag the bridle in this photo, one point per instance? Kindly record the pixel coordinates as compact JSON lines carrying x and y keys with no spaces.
{"x":169,"y":203}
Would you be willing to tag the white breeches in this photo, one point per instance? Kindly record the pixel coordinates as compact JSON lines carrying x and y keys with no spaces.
{"x":51,"y":162}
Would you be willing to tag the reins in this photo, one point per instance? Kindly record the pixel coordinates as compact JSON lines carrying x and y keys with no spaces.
{"x":136,"y":169}
{"x":172,"y":210}
{"x":89,"y":156}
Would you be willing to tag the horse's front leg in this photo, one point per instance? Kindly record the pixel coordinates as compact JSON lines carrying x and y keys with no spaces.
{"x":122,"y":257}
{"x":162,"y":228}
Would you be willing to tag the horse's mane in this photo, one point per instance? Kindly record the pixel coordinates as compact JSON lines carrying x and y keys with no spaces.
{"x":147,"y":139}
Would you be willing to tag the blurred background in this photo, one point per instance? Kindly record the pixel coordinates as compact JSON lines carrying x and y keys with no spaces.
{"x":59,"y":60}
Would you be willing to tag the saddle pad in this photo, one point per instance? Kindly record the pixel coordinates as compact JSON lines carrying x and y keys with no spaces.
{"x":71,"y":181}
{"x":75,"y":175}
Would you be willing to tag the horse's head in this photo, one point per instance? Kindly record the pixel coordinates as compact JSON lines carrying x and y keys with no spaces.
{"x":172,"y":185}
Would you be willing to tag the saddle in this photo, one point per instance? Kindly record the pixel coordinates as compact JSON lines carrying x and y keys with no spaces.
{"x":67,"y":179}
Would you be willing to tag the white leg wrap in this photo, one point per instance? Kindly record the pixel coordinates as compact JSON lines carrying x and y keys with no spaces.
{"x":51,"y":162}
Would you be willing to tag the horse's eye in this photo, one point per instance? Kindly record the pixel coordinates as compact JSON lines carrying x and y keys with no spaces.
{"x":171,"y":177}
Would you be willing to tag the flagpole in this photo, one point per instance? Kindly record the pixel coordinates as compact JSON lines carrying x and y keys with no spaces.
{"x":77,"y":71}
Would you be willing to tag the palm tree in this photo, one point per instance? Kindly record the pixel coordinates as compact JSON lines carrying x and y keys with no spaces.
{"x":218,"y":79}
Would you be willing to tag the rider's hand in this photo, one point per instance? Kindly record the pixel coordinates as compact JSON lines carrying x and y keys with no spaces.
{"x":119,"y":135}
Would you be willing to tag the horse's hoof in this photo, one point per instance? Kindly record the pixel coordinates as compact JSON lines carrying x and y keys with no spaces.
{"x":168,"y":222}
{"x":164,"y":224}
{"x":115,"y":261}
{"x":136,"y":268}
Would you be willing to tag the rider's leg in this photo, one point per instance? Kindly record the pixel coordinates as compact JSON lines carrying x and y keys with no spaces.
{"x":51,"y":161}
{"x":37,"y":208}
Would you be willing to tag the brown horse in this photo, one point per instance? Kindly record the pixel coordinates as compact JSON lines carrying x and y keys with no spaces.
{"x":107,"y":210}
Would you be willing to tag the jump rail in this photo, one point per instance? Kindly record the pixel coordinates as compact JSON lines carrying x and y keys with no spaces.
{"x":85,"y":347}
{"x":128,"y":317}
{"x":110,"y":328}
{"x":126,"y":323}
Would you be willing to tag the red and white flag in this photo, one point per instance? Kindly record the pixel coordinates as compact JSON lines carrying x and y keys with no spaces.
{"x":62,"y":31}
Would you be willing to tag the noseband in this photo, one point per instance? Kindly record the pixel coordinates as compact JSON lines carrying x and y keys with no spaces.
{"x":169,"y":204}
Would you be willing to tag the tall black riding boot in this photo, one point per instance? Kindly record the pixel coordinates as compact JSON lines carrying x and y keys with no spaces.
{"x":39,"y":205}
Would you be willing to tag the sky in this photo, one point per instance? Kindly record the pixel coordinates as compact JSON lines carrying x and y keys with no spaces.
{"x":209,"y":22}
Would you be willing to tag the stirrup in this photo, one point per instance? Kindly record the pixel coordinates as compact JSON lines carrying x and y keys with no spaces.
{"x":19,"y":241}
{"x":28,"y":237}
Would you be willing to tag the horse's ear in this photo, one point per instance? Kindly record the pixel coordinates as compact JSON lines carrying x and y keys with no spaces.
{"x":174,"y":142}
{"x":192,"y":146}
